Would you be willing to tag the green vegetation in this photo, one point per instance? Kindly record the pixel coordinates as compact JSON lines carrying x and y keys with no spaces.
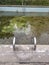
{"x":10,"y":2}
{"x":38,"y":24}
{"x":25,"y":2}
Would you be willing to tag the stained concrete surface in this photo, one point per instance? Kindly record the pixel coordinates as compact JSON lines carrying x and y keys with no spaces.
{"x":10,"y":57}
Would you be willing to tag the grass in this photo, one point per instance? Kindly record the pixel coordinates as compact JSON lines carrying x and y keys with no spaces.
{"x":25,"y":2}
{"x":38,"y":24}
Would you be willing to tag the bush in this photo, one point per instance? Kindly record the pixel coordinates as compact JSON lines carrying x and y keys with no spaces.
{"x":26,"y":2}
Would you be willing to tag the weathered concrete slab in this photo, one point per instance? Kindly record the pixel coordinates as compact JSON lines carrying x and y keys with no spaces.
{"x":24,"y":64}
{"x":7,"y":55}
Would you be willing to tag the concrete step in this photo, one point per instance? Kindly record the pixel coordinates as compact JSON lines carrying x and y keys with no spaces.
{"x":8,"y":55}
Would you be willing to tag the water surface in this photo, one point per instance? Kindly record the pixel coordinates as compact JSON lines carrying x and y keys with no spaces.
{"x":24,"y":28}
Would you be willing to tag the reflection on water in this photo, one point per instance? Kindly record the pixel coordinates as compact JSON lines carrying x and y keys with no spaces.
{"x":26,"y":30}
{"x":23,"y":35}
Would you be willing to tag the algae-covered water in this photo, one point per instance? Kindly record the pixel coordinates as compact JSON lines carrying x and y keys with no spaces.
{"x":30,"y":26}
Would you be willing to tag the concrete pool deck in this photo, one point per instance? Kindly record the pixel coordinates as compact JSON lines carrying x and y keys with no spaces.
{"x":7,"y":55}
